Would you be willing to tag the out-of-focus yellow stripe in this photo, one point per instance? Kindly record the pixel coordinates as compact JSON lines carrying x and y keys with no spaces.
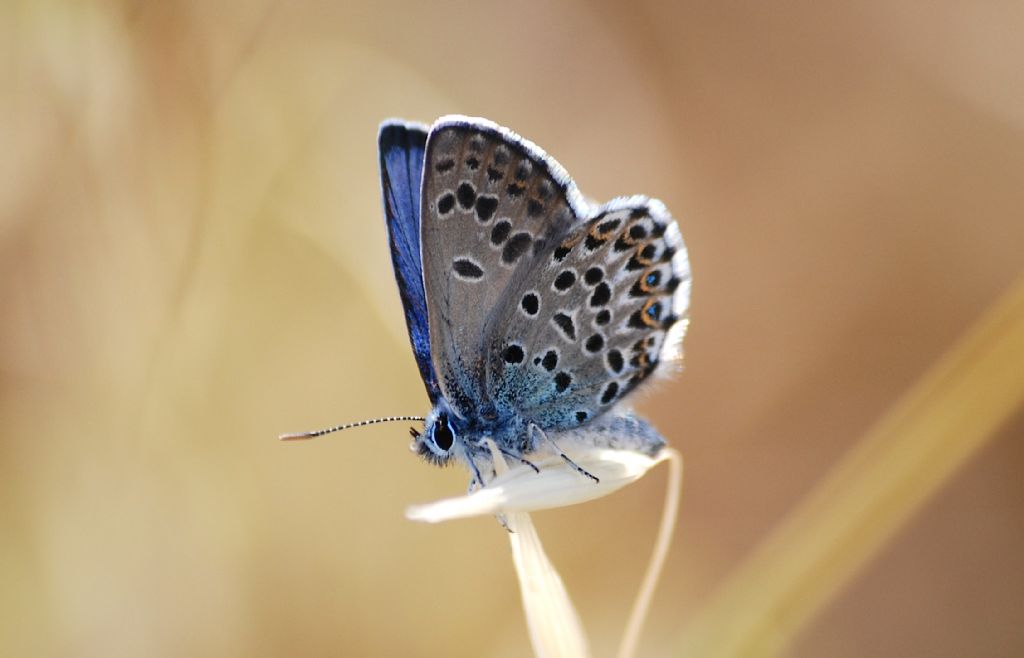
{"x":845,"y":521}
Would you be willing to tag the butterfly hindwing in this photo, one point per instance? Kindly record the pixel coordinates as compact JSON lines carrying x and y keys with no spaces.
{"x":492,"y":203}
{"x":599,"y":310}
{"x":401,"y":148}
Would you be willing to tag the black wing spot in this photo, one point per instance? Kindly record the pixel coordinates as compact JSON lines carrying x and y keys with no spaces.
{"x":593,"y":242}
{"x":581,"y":416}
{"x":513,"y":354}
{"x":466,"y":195}
{"x":485,"y":207}
{"x":565,"y":323}
{"x":534,"y":208}
{"x":494,"y":175}
{"x":530,"y":303}
{"x":562,"y":381}
{"x":603,"y":318}
{"x":642,"y":344}
{"x":523,"y":171}
{"x":515,"y":247}
{"x":602,"y":295}
{"x":472,"y":163}
{"x":561,"y":252}
{"x":565,"y":280}
{"x":593,"y":276}
{"x":444,"y":166}
{"x":467,"y":269}
{"x":445,"y":203}
{"x":594,"y":343}
{"x":550,"y":360}
{"x":637,"y":232}
{"x":515,"y":190}
{"x":500,"y":232}
{"x":615,"y":361}
{"x":610,"y":391}
{"x":606,"y":227}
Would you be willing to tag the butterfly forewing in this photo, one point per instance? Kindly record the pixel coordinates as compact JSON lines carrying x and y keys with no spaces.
{"x":492,"y":204}
{"x":401,"y":147}
{"x":598,"y":311}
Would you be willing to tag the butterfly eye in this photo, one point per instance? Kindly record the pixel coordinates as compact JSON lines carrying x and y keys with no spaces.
{"x":443,"y":436}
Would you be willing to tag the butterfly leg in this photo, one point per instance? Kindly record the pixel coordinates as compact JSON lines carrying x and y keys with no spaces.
{"x":503,"y":521}
{"x":579,"y":469}
{"x":474,"y":486}
{"x":477,"y":479}
{"x":476,"y":483}
{"x":522,"y":460}
{"x":512,"y":455}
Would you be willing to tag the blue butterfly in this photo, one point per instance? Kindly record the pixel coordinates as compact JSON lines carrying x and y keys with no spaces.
{"x":533,"y":316}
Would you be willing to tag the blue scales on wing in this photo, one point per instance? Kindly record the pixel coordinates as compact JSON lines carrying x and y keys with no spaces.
{"x":601,"y":310}
{"x":401,"y":170}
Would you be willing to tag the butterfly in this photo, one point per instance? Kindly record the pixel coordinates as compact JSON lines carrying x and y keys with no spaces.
{"x":533,"y":315}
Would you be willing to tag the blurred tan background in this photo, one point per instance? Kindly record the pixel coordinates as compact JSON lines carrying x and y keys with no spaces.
{"x":193,"y":260}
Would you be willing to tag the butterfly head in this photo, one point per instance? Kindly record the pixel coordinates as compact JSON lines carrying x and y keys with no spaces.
{"x":440,"y":439}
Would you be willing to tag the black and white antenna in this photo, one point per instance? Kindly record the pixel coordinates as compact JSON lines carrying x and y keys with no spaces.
{"x":302,"y":436}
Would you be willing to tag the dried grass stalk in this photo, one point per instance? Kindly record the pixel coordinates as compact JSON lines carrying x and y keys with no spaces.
{"x":902,"y":461}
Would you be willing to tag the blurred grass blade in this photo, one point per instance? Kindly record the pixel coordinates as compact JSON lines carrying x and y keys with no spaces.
{"x":555,"y":629}
{"x":554,"y":625}
{"x":937,"y":426}
{"x":669,"y":513}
